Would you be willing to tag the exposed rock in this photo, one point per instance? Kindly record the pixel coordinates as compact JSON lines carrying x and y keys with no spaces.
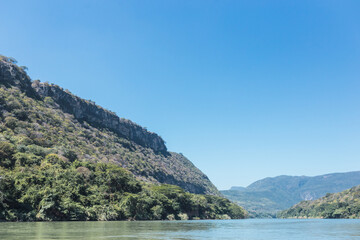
{"x":99,"y":134}
{"x":12,"y":75}
{"x":83,"y":110}
{"x":88,"y":111}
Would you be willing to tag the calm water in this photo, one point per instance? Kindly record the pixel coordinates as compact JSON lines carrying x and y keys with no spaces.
{"x":250,"y":229}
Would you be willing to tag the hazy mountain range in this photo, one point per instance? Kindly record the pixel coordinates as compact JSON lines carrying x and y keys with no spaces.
{"x":270,"y":195}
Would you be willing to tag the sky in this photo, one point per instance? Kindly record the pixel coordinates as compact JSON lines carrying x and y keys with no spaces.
{"x":245,"y":89}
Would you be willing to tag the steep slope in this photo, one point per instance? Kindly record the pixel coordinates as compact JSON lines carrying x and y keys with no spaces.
{"x":43,"y":118}
{"x":65,"y":158}
{"x":270,"y":195}
{"x":345,"y":204}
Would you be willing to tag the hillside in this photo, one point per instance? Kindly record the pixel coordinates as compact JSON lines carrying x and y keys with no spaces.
{"x":345,"y":204}
{"x":54,"y":120}
{"x":264,"y":198}
{"x":47,"y":130}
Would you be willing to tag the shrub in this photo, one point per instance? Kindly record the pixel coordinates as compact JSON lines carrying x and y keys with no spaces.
{"x":183,"y":216}
{"x":11,"y":122}
{"x":56,"y":160}
{"x":170,"y":217}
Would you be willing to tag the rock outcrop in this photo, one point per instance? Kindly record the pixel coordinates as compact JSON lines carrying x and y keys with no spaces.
{"x":88,"y":111}
{"x":54,"y":120}
{"x":13,"y":75}
{"x":83,"y":110}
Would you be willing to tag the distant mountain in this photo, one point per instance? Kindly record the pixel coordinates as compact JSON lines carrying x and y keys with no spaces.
{"x":238,"y":188}
{"x":345,"y":204}
{"x":66,"y":158}
{"x":264,"y":198}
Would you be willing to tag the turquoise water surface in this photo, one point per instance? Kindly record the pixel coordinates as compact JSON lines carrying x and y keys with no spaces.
{"x":249,"y":229}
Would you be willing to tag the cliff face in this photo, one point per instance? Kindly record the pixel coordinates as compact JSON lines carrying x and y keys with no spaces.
{"x":12,"y":75}
{"x":87,"y":111}
{"x":42,"y":119}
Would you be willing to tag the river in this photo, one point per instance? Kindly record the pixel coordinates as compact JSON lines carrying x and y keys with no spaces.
{"x":249,"y":229}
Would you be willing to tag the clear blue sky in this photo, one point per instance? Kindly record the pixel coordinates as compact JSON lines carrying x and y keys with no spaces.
{"x":244,"y":89}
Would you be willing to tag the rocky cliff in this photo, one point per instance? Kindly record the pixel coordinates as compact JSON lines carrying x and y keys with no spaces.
{"x":42,"y":118}
{"x":83,"y":110}
{"x":90,"y":112}
{"x":13,"y":75}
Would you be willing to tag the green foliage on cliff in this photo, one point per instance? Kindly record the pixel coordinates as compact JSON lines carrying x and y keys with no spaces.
{"x":345,"y":204}
{"x":33,"y":123}
{"x":56,"y":167}
{"x":34,"y":187}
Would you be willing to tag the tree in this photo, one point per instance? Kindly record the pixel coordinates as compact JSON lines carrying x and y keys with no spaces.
{"x":25,"y":68}
{"x":6,"y":155}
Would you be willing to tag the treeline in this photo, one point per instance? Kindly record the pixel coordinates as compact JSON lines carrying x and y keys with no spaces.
{"x":53,"y":188}
{"x":345,"y":204}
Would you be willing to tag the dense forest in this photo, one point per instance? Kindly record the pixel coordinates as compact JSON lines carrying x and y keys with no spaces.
{"x":51,"y":187}
{"x":345,"y":204}
{"x":56,"y":166}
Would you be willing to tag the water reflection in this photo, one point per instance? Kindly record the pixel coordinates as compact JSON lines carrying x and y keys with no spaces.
{"x":251,"y":229}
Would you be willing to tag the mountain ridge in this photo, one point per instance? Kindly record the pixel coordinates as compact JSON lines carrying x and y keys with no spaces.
{"x":345,"y":204}
{"x":82,"y":109}
{"x":267,"y":196}
{"x":64,"y":158}
{"x":97,"y":131}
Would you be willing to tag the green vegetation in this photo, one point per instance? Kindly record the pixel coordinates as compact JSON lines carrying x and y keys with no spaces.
{"x":55,"y":167}
{"x":345,"y":204}
{"x":266,"y":197}
{"x":259,"y":204}
{"x":39,"y":124}
{"x":8,"y":59}
{"x":37,"y":188}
